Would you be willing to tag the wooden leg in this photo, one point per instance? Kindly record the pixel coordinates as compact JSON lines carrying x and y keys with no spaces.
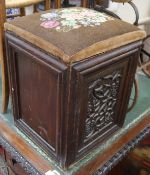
{"x":84,"y":3}
{"x":144,"y":59}
{"x":136,"y":93}
{"x":22,"y":11}
{"x":5,"y":85}
{"x":57,"y":4}
{"x":144,"y":62}
{"x":148,"y":67}
{"x":35,"y":8}
{"x":47,"y":4}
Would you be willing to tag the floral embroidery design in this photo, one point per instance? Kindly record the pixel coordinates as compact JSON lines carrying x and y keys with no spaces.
{"x":65,"y":20}
{"x":50,"y":24}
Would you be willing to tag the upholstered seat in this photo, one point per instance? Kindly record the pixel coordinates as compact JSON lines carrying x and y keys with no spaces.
{"x":62,"y":32}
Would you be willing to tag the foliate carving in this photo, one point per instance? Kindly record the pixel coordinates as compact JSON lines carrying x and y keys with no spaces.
{"x":19,"y":158}
{"x":102,"y":100}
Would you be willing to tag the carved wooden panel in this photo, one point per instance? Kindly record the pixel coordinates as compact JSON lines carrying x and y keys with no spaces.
{"x":102,"y":99}
{"x":101,"y":104}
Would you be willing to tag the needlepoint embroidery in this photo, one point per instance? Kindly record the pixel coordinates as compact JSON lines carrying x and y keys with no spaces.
{"x":64,"y":20}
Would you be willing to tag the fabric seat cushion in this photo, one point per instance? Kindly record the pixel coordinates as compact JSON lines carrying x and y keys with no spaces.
{"x":74,"y":34}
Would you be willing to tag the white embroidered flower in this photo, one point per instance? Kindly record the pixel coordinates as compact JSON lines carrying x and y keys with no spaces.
{"x":49,"y":16}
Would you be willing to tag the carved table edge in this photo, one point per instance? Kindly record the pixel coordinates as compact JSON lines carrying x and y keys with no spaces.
{"x":26,"y":165}
{"x":31,"y":170}
{"x":123,"y":152}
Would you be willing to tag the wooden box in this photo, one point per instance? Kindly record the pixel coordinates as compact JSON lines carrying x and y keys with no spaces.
{"x":71,"y":72}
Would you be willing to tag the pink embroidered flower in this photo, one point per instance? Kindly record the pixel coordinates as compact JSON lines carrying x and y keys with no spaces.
{"x":50,"y":24}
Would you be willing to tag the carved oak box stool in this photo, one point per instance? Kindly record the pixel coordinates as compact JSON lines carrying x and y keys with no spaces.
{"x":71,"y":72}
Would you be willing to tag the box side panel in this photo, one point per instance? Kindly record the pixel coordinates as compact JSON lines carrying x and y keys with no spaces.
{"x":37,"y":86}
{"x":103,"y":93}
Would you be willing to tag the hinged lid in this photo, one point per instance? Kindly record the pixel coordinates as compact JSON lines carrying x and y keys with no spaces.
{"x":73,"y":34}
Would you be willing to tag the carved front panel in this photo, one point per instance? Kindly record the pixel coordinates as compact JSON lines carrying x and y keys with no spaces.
{"x":101,"y":101}
{"x":102,"y":98}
